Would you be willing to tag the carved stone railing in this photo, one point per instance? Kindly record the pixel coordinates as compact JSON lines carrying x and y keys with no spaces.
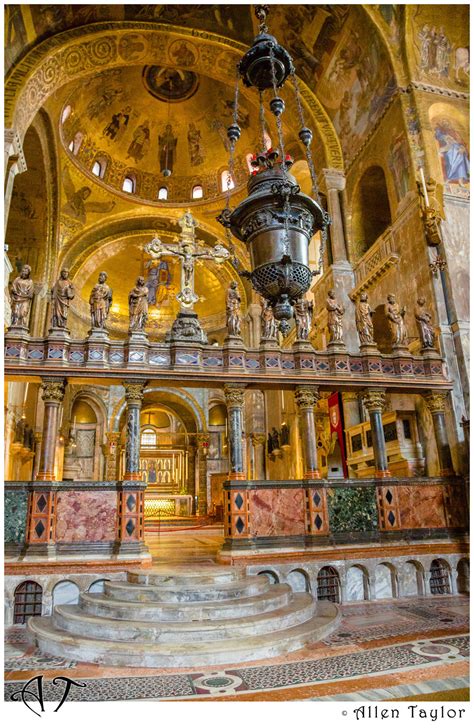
{"x":202,"y":364}
{"x":295,"y":514}
{"x":381,"y":256}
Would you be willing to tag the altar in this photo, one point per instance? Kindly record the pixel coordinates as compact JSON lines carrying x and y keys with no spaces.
{"x":161,"y":505}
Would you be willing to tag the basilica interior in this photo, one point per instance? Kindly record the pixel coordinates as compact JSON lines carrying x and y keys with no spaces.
{"x":236,"y":401}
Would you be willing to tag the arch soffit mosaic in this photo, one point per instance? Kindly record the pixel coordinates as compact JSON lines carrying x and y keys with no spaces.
{"x":187,"y":401}
{"x":77,"y":53}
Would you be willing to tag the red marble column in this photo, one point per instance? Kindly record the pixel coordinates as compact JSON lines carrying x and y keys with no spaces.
{"x":53,"y":395}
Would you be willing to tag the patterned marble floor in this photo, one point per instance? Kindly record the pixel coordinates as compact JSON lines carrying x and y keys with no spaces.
{"x":380,"y":650}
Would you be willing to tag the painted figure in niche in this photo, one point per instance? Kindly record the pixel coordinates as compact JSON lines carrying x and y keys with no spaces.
{"x":423,"y":319}
{"x":196,"y":152}
{"x":152,"y":472}
{"x":138,"y":306}
{"x":335,"y":313}
{"x":100,"y":302}
{"x":62,"y":293}
{"x":461,"y":63}
{"x":140,"y":143}
{"x":396,"y":321}
{"x":435,"y":51}
{"x":268,"y":322}
{"x":399,"y":163}
{"x":167,"y":149}
{"x":23,"y":205}
{"x":453,"y":153}
{"x":183,"y":54}
{"x":106,"y":99}
{"x":76,"y":205}
{"x":364,"y":325}
{"x":21,"y":296}
{"x":303,"y":313}
{"x":158,"y":281}
{"x":234,"y":315}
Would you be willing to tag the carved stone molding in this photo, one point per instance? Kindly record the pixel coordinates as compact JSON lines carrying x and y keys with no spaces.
{"x":335,"y":179}
{"x":134,"y":392}
{"x":306,"y":397}
{"x":53,"y":390}
{"x":435,"y":401}
{"x":234,"y":395}
{"x":374,"y":400}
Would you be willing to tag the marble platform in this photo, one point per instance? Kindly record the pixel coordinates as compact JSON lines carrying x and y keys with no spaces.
{"x":183,"y":617}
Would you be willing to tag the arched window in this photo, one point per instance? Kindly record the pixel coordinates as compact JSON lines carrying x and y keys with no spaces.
{"x":129,"y":184}
{"x":227,"y":182}
{"x":97,"y":587}
{"x":28,"y":601}
{"x":370,"y":210}
{"x":439,"y":577}
{"x":197,"y":192}
{"x":148,"y":438}
{"x":163,"y":193}
{"x":75,"y":144}
{"x":66,"y":113}
{"x":99,"y":167}
{"x":328,"y":585}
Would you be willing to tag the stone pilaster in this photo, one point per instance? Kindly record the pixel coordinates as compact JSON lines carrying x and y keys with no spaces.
{"x":14,"y":163}
{"x":112,"y":450}
{"x":258,"y":440}
{"x":134,"y":397}
{"x":436,"y":403}
{"x":53,"y":395}
{"x":374,"y":401}
{"x":203,"y":447}
{"x":335,"y":183}
{"x":306,"y":398}
{"x":234,"y":397}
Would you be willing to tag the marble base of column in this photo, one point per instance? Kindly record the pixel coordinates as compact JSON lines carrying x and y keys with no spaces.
{"x":132,"y":476}
{"x":46,"y":476}
{"x":382,"y":474}
{"x":312,"y":475}
{"x":237,"y":476}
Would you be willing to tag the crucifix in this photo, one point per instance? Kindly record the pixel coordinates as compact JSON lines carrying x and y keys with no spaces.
{"x":188,"y":249}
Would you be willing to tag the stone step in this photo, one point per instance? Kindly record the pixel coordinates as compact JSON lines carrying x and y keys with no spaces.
{"x":278,"y":595}
{"x":73,"y":620}
{"x":54,"y":641}
{"x":197,"y":592}
{"x":201,"y":574}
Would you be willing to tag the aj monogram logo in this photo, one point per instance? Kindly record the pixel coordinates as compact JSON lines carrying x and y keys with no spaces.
{"x":28,"y":696}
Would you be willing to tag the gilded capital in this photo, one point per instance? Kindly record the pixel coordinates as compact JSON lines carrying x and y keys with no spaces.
{"x":53,"y":390}
{"x":134,"y":392}
{"x":306,"y":397}
{"x":374,"y":400}
{"x":435,"y":401}
{"x":234,"y":395}
{"x":335,"y":179}
{"x":258,"y":438}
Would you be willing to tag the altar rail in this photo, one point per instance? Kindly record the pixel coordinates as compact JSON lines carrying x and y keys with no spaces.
{"x":299,"y":514}
{"x":68,"y":518}
{"x":208,"y":364}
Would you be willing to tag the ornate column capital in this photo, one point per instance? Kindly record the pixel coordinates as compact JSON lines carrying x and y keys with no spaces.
{"x":335,"y":179}
{"x":350,"y":396}
{"x":306,"y":396}
{"x":53,"y":390}
{"x":258,"y":438}
{"x":436,"y":401}
{"x":134,"y":392}
{"x":234,"y":395}
{"x":374,"y":400}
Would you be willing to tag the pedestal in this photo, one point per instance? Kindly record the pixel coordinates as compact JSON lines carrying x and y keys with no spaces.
{"x":58,"y":344}
{"x":136,"y":348}
{"x":97,"y":348}
{"x":186,"y":328}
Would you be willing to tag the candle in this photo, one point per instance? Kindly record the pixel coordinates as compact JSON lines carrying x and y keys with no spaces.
{"x":423,"y":184}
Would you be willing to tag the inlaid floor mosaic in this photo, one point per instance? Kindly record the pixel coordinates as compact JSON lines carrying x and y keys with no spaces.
{"x":434,"y":652}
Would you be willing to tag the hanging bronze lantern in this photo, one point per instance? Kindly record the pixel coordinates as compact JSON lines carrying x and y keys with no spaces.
{"x":276,"y":221}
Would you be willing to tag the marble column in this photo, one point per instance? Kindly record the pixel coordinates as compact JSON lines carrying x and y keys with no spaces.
{"x":436,"y":403}
{"x":306,"y":398}
{"x":234,"y":397}
{"x":191,"y":479}
{"x":53,"y":395}
{"x":134,"y":398}
{"x":335,"y":183}
{"x":374,"y":401}
{"x":14,"y":163}
{"x":203,"y":447}
{"x":259,"y":440}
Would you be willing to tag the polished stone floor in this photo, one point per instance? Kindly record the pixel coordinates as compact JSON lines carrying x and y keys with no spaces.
{"x":382,"y":650}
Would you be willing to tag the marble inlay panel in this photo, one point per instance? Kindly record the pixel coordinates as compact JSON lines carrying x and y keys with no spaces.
{"x":86,"y":516}
{"x":407,"y":580}
{"x":383,"y":582}
{"x":276,"y":512}
{"x":421,"y":507}
{"x":355,"y":584}
{"x":15,"y":510}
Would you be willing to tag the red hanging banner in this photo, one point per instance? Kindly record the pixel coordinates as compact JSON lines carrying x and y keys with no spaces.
{"x":336,"y":424}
